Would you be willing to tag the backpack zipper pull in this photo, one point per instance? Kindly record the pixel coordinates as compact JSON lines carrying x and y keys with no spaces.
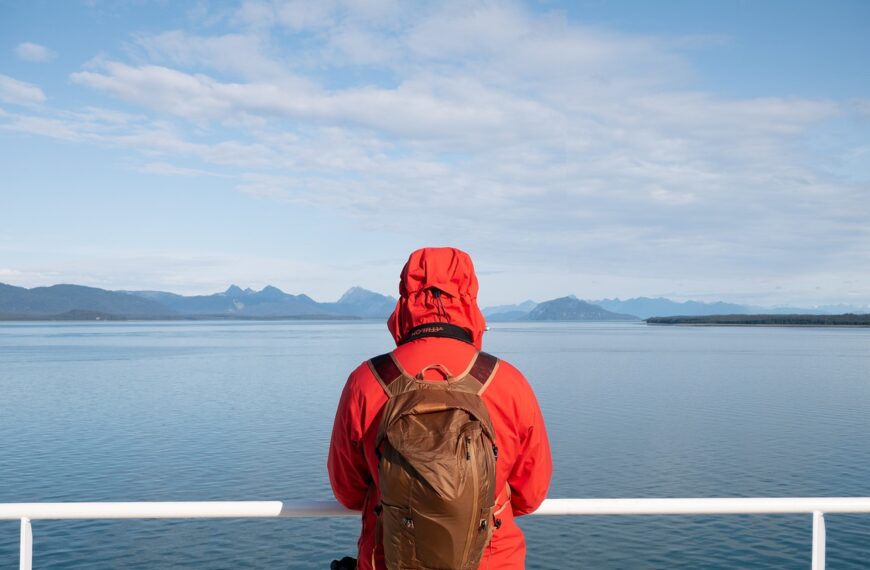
{"x":468,"y":447}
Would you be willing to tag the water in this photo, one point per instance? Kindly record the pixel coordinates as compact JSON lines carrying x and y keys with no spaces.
{"x":243,"y":411}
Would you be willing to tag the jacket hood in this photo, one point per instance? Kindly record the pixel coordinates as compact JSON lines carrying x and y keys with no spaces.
{"x":450,"y":271}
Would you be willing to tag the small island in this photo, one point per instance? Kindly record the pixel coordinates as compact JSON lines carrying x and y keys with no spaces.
{"x":846,"y":320}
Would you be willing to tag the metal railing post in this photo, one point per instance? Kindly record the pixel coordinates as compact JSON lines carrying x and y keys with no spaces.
{"x":818,"y":540}
{"x":26,"y":557}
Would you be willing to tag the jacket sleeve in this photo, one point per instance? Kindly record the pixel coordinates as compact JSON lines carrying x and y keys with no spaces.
{"x":530,"y":477}
{"x":348,"y":472}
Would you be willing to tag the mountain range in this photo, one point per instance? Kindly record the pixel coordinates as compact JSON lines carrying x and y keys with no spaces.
{"x":77,"y":302}
{"x":61,"y":299}
{"x":646,"y":307}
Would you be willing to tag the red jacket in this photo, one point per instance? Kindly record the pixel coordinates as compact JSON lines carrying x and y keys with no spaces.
{"x":524,"y":464}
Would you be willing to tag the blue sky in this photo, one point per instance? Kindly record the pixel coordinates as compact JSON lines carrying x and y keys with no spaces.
{"x":706,"y":150}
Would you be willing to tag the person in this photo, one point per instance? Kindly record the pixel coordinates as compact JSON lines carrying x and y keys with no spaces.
{"x":438,"y":287}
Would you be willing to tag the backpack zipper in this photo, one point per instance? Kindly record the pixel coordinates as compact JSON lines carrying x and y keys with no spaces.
{"x":475,"y":508}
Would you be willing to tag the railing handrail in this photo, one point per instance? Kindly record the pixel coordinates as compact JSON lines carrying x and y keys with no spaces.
{"x":818,"y":506}
{"x":255,"y":509}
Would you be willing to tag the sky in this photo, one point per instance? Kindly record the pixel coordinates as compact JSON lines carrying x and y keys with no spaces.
{"x":715,"y":150}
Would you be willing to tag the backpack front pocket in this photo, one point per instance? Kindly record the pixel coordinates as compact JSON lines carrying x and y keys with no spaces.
{"x":399,"y":528}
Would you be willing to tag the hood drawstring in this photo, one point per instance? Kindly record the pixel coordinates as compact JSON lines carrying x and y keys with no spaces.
{"x":439,"y":305}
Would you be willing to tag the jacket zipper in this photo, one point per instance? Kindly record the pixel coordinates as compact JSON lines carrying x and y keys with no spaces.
{"x":474,"y":513}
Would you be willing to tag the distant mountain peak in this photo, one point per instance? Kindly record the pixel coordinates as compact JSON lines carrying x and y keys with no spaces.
{"x":358,"y":294}
{"x":234,"y":290}
{"x":365,"y":303}
{"x":571,"y":308}
{"x":509,"y":312}
{"x":270,"y":292}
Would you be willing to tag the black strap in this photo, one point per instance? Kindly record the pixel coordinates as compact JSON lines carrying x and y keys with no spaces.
{"x":483,"y":367}
{"x":386,"y":369}
{"x":444,"y":330}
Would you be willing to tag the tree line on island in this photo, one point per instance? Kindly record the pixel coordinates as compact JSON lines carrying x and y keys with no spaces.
{"x":81,"y":303}
{"x":848,"y":319}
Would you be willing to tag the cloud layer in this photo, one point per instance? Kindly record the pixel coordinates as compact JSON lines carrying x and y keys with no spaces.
{"x":547,"y":143}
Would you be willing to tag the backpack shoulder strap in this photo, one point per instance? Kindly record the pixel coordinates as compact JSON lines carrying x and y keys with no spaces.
{"x":386,"y":370}
{"x":483,"y":370}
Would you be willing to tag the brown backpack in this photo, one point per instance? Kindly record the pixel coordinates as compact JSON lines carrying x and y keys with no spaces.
{"x":437,"y":454}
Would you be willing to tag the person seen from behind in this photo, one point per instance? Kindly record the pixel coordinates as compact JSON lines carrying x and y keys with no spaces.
{"x":438,"y":444}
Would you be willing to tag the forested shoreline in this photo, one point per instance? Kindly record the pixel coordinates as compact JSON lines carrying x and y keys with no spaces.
{"x":848,"y":319}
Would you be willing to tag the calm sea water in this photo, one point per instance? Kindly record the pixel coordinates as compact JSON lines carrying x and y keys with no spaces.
{"x":243,"y":411}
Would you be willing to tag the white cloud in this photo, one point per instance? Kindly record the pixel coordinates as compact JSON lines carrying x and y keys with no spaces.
{"x":45,"y":126}
{"x":29,"y":51}
{"x":236,"y":54}
{"x":167,"y":169}
{"x":19,"y":92}
{"x":300,"y":15}
{"x":421,"y":107}
{"x":158,"y":87}
{"x":303,"y":16}
{"x":356,"y":46}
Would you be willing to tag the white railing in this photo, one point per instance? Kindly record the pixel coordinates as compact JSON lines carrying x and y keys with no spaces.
{"x":817,"y":506}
